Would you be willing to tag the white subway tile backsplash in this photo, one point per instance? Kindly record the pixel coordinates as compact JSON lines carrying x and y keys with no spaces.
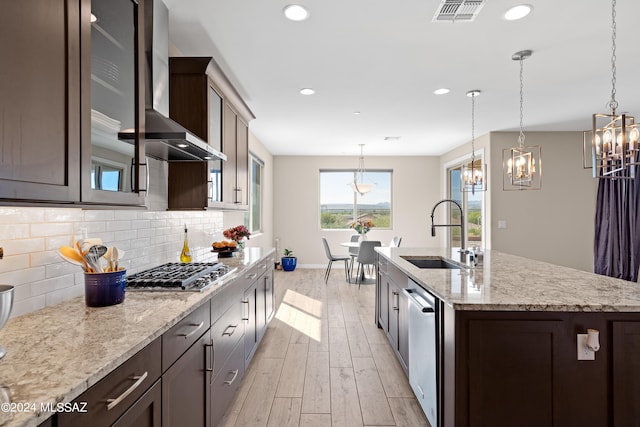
{"x":51,"y":229}
{"x":13,"y":263}
{"x":31,"y":237}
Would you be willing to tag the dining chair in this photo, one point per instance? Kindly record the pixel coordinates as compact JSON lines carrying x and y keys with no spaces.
{"x":366,"y":256}
{"x":395,"y":242}
{"x":333,"y":258}
{"x":353,"y":252}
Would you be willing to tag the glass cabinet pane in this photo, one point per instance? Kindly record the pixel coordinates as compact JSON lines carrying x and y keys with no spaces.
{"x":112,"y":93}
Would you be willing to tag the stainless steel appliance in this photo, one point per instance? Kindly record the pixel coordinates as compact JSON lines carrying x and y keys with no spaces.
{"x":176,"y":276}
{"x":423,"y":349}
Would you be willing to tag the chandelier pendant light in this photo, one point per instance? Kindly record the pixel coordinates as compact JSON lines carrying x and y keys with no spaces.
{"x":522,"y":165}
{"x":473,"y":174}
{"x":359,"y":184}
{"x":614,"y":137}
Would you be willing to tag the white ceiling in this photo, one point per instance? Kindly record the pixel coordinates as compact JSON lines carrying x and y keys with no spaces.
{"x":385,"y":58}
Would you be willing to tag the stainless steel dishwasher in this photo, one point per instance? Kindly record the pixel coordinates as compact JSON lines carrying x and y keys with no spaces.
{"x":423,"y":353}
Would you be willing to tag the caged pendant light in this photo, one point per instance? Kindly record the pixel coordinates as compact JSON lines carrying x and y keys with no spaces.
{"x":473,"y":174}
{"x":359,"y":184}
{"x":614,"y":137}
{"x":522,"y":166}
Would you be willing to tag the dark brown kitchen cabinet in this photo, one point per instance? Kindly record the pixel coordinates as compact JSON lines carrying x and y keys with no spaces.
{"x":249,"y":316}
{"x":393,"y":312}
{"x":119,"y":391}
{"x":626,"y":373}
{"x":203,"y":101}
{"x":226,"y":383}
{"x":146,"y":412}
{"x":185,"y":394}
{"x":40,"y":102}
{"x":58,"y":142}
{"x":113,"y":170}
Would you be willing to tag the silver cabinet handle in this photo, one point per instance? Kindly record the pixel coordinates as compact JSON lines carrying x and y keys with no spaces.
{"x":233,"y":330}
{"x":235,"y":374}
{"x":198,"y":327}
{"x":112,"y":403}
{"x":247,"y":316}
{"x":396,"y":307}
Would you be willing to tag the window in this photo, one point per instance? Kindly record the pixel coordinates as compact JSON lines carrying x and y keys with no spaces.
{"x":472,"y":205}
{"x":256,"y":171}
{"x":339,"y":204}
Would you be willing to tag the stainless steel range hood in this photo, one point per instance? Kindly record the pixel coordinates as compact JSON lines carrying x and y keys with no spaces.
{"x":164,"y":138}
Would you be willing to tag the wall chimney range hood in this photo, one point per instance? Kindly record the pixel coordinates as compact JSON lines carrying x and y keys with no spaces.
{"x":164,"y":138}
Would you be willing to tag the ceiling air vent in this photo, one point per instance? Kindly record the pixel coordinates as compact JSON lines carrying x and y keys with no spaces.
{"x":457,"y":10}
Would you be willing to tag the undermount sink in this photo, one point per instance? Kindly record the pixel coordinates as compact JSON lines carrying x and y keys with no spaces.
{"x":432,"y":262}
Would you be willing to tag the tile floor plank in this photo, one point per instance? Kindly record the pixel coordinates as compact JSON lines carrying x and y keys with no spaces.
{"x":393,"y":378}
{"x":407,"y":412}
{"x":315,"y":420}
{"x":257,"y":405}
{"x":345,"y":405}
{"x":293,"y":371}
{"x":285,"y":412}
{"x":316,"y":396}
{"x":339,"y":353}
{"x":373,"y":401}
{"x":358,"y":344}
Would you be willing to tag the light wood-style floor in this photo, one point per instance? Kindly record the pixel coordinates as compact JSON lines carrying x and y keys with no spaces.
{"x":323,"y":361}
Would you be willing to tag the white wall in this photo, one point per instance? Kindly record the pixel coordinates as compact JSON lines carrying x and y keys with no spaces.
{"x":555,"y":224}
{"x":416,"y":188}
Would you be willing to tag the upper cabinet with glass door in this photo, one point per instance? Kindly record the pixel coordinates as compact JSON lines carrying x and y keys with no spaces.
{"x":110,"y":166}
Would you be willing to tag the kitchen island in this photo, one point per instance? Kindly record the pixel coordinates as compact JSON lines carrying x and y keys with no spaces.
{"x":56,"y":354}
{"x":507,"y":339}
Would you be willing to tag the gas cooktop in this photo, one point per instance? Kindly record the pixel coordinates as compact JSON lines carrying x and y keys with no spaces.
{"x":176,"y":276}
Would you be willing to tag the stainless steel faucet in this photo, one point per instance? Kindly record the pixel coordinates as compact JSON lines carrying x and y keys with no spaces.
{"x":461,"y":225}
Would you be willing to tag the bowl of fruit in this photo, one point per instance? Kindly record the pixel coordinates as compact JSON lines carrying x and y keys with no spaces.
{"x":225,"y":248}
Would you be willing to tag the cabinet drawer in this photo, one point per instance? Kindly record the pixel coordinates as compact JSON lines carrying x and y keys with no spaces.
{"x":225,"y":384}
{"x":247,"y":278}
{"x":221,"y":302}
{"x":108,"y":399}
{"x":183,"y":334}
{"x":226,"y":333}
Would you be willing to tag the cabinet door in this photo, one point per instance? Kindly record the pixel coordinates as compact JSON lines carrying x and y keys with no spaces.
{"x":184,"y":387}
{"x":261,"y":302}
{"x":40,"y":102}
{"x":394,"y":307}
{"x":249,"y":317}
{"x":242,"y":163}
{"x":383,"y":301}
{"x":113,"y":170}
{"x":626,"y":373}
{"x":146,"y":412}
{"x":270,"y":297}
{"x":514,"y":369}
{"x":229,"y":193}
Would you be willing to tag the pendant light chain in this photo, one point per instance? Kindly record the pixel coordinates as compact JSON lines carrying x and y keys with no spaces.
{"x":521,"y":136}
{"x":473,"y":127}
{"x":613,"y":104}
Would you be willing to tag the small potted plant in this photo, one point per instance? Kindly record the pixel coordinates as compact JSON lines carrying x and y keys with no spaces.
{"x":289,"y":261}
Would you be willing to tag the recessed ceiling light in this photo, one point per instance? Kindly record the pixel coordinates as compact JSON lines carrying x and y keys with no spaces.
{"x":518,"y":12}
{"x":474,"y":93}
{"x":307,"y":91}
{"x":392,"y":138}
{"x":295,"y":12}
{"x":356,"y":113}
{"x":441,"y":91}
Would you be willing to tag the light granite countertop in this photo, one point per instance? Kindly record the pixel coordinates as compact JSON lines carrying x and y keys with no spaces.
{"x":511,"y":283}
{"x":55,"y":354}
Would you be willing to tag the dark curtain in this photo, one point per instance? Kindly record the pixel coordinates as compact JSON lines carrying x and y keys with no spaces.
{"x":617,"y":234}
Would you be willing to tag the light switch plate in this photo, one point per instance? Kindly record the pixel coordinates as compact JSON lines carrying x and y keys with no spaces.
{"x":584,"y":353}
{"x":502,"y":223}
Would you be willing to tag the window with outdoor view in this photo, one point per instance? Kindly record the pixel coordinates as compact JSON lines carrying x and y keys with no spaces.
{"x":472,"y":207}
{"x":255,"y":199}
{"x":340,"y":205}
